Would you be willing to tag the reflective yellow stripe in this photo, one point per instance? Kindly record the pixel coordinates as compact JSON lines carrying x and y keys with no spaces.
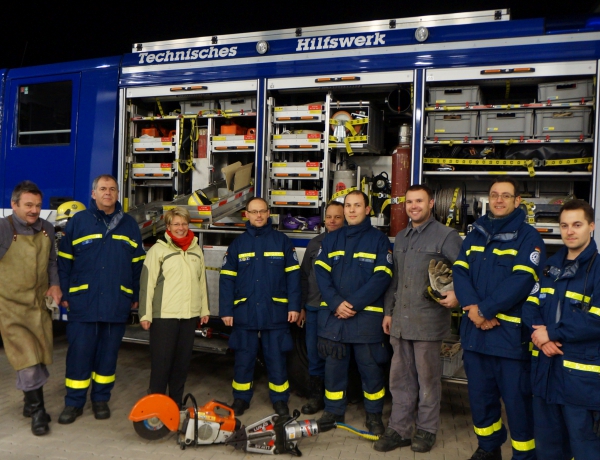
{"x":365,"y":255}
{"x":77,"y":384}
{"x":525,"y":268}
{"x":235,"y":302}
{"x":530,"y":346}
{"x":125,"y":238}
{"x":79,"y":288}
{"x":273,"y":254}
{"x":292,"y":268}
{"x":547,"y":291}
{"x":241,"y":386}
{"x":533,"y":299}
{"x":523,"y":445}
{"x":323,"y":304}
{"x":279,"y":388}
{"x":595,"y":311}
{"x":228,"y":272}
{"x":581,"y":367}
{"x":245,"y":255}
{"x":490,"y":430}
{"x":505,"y":252}
{"x":323,"y":264}
{"x":475,"y":249}
{"x":137,"y":259}
{"x":577,"y":296}
{"x":462,"y":264}
{"x":104,"y":379}
{"x":128,"y":291}
{"x":512,"y":319}
{"x":336,"y":253}
{"x":334,"y":395}
{"x":65,"y":255}
{"x":375,"y":396}
{"x":377,"y":309}
{"x":85,"y":238}
{"x":381,"y":268}
{"x":535,"y":352}
{"x":280,"y":299}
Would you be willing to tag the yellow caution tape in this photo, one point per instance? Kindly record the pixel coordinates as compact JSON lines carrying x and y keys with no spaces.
{"x":342,"y":193}
{"x":452,"y":208}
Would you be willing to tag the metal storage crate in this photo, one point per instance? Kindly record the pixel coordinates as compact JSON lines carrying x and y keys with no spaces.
{"x":507,"y":124}
{"x":238,"y":104}
{"x":452,"y":125}
{"x":566,"y":91}
{"x":193,"y":107}
{"x":454,"y":95}
{"x":571,"y":123}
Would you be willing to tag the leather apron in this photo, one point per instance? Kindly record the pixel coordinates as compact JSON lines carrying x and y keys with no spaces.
{"x":25,"y":323}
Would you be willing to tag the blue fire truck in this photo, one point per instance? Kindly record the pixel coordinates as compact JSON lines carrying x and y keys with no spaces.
{"x":301,"y":116}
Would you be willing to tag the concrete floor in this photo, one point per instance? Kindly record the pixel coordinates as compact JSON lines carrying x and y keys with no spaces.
{"x":210,"y":378}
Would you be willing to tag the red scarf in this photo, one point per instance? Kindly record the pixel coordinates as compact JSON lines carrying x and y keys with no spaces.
{"x":183,"y":243}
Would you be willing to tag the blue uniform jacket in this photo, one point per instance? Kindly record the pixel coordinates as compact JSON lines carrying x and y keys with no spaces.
{"x":260,"y":279}
{"x":570,"y":309}
{"x":99,"y":265}
{"x":354,"y":265}
{"x":497,"y":268}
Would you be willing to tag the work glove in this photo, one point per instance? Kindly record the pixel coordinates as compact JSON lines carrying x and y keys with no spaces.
{"x":440,"y":277}
{"x":596,"y":427}
{"x":328,"y":347}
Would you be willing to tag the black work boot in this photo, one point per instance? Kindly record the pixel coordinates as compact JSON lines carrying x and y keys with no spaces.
{"x":26,"y":407}
{"x":374,"y":423}
{"x":390,"y":440}
{"x":328,"y":420}
{"x":481,"y":454}
{"x":423,"y":441}
{"x":101,"y":410}
{"x":316,"y":391}
{"x":239,"y":406}
{"x":39,"y":418}
{"x":281,"y":408}
{"x":69,"y":414}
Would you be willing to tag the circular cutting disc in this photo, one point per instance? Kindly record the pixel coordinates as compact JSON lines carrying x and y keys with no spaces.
{"x":151,"y":429}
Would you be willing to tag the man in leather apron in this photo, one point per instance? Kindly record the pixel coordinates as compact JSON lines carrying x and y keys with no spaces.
{"x":28,"y":273}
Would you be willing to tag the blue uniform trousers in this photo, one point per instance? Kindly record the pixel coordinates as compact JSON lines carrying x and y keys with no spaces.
{"x":91,"y":360}
{"x":316,"y":364}
{"x":564,"y":431}
{"x":275,"y":344}
{"x":490,"y":379}
{"x":369,"y":357}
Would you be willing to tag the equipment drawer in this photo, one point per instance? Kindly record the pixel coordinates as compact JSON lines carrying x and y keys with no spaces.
{"x":455,"y":95}
{"x":563,"y":123}
{"x":452,"y":125}
{"x":566,"y":91}
{"x":507,"y":124}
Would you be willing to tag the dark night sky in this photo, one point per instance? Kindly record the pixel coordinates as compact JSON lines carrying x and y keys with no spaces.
{"x":64,"y":30}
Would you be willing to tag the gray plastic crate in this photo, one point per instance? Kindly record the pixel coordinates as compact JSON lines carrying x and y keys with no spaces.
{"x":452,"y":125}
{"x":193,"y":107}
{"x":570,"y":123}
{"x":237,"y":104}
{"x":450,"y":364}
{"x":566,"y":91}
{"x":454,"y":95}
{"x":506,"y":124}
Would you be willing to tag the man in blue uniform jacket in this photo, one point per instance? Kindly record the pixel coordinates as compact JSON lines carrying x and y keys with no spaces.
{"x":497,"y":268}
{"x":99,"y":265}
{"x":259,"y":295}
{"x":353,"y":269}
{"x":565,"y":317}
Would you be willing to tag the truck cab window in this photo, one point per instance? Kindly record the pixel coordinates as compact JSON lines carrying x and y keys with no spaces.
{"x":45,"y":114}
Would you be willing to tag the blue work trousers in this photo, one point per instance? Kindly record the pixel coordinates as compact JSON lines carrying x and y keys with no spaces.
{"x":316,"y":364}
{"x":369,"y":358}
{"x":91,"y":360}
{"x":275,"y":344}
{"x":564,"y":431}
{"x":492,"y":378}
